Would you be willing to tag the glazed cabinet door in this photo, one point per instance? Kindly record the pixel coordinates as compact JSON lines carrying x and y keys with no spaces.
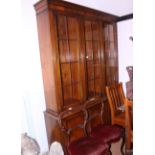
{"x":69,"y":58}
{"x":94,"y":59}
{"x":111,"y":53}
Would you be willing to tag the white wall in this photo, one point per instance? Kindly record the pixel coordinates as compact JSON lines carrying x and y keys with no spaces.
{"x":33,"y":103}
{"x":125,"y":49}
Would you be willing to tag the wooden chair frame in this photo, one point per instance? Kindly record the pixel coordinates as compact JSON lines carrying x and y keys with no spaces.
{"x":115,"y":95}
{"x":67,"y":113}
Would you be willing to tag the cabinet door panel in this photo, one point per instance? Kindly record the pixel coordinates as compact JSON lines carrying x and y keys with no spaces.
{"x":72,"y":28}
{"x":97,"y":69}
{"x":88,"y":30}
{"x":66,"y":74}
{"x":62,"y":26}
{"x":95,"y":30}
{"x":98,"y":88}
{"x":74,"y":53}
{"x":76,"y":90}
{"x":75,"y":72}
{"x":67,"y":92}
{"x":111,"y":54}
{"x":89,"y":50}
{"x":96,"y":47}
{"x":64,"y":51}
{"x":90,"y":70}
{"x":94,"y":58}
{"x":69,"y":52}
{"x":91,"y":92}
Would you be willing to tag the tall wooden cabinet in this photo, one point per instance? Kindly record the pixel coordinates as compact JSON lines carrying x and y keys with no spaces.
{"x":78,"y":50}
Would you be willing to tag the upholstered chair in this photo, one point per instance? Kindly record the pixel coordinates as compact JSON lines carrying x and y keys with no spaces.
{"x":101,"y":131}
{"x":83,"y":145}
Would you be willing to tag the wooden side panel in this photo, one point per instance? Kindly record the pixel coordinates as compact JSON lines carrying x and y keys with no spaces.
{"x":49,"y":63}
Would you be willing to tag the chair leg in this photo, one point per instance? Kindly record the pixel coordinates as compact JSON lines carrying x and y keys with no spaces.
{"x":128,"y":145}
{"x":110,"y":153}
{"x":122,"y":145}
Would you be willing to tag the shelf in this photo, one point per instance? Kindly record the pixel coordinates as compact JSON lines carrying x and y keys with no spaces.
{"x":68,"y":62}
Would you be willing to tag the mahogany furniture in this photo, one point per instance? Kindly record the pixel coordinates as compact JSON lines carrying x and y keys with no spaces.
{"x":129,"y":123}
{"x":78,"y":51}
{"x":116,"y":97}
{"x":98,"y":129}
{"x":83,"y":145}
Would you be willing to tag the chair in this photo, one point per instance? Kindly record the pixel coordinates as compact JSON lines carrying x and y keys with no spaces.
{"x":83,"y":145}
{"x":116,"y":97}
{"x":103,"y":132}
{"x":129,"y":123}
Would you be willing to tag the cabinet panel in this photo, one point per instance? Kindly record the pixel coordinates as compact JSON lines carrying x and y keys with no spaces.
{"x":67,"y":92}
{"x":95,"y":30}
{"x":75,"y":73}
{"x":97,"y":69}
{"x":64,"y":51}
{"x":89,"y":50}
{"x":76,"y":90}
{"x":69,"y":50}
{"x":74,"y":53}
{"x":62,"y":26}
{"x":111,"y":54}
{"x":88,"y":30}
{"x":98,"y":87}
{"x":93,"y":58}
{"x":72,"y":28}
{"x":66,"y":74}
{"x":96,"y":47}
{"x":91,"y":88}
{"x":90,"y":70}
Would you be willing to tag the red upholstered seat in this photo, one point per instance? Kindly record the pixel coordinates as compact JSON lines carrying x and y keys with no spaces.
{"x":103,"y":132}
{"x":80,"y":144}
{"x":87,"y":146}
{"x":108,"y":133}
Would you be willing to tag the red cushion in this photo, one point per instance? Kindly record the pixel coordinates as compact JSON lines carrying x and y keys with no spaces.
{"x":87,"y":146}
{"x":107,"y":133}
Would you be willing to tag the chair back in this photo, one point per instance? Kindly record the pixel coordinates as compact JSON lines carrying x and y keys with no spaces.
{"x":95,"y":109}
{"x":115,"y":95}
{"x":73,"y":123}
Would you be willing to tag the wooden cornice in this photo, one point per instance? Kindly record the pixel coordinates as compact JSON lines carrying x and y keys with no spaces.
{"x":126,"y":17}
